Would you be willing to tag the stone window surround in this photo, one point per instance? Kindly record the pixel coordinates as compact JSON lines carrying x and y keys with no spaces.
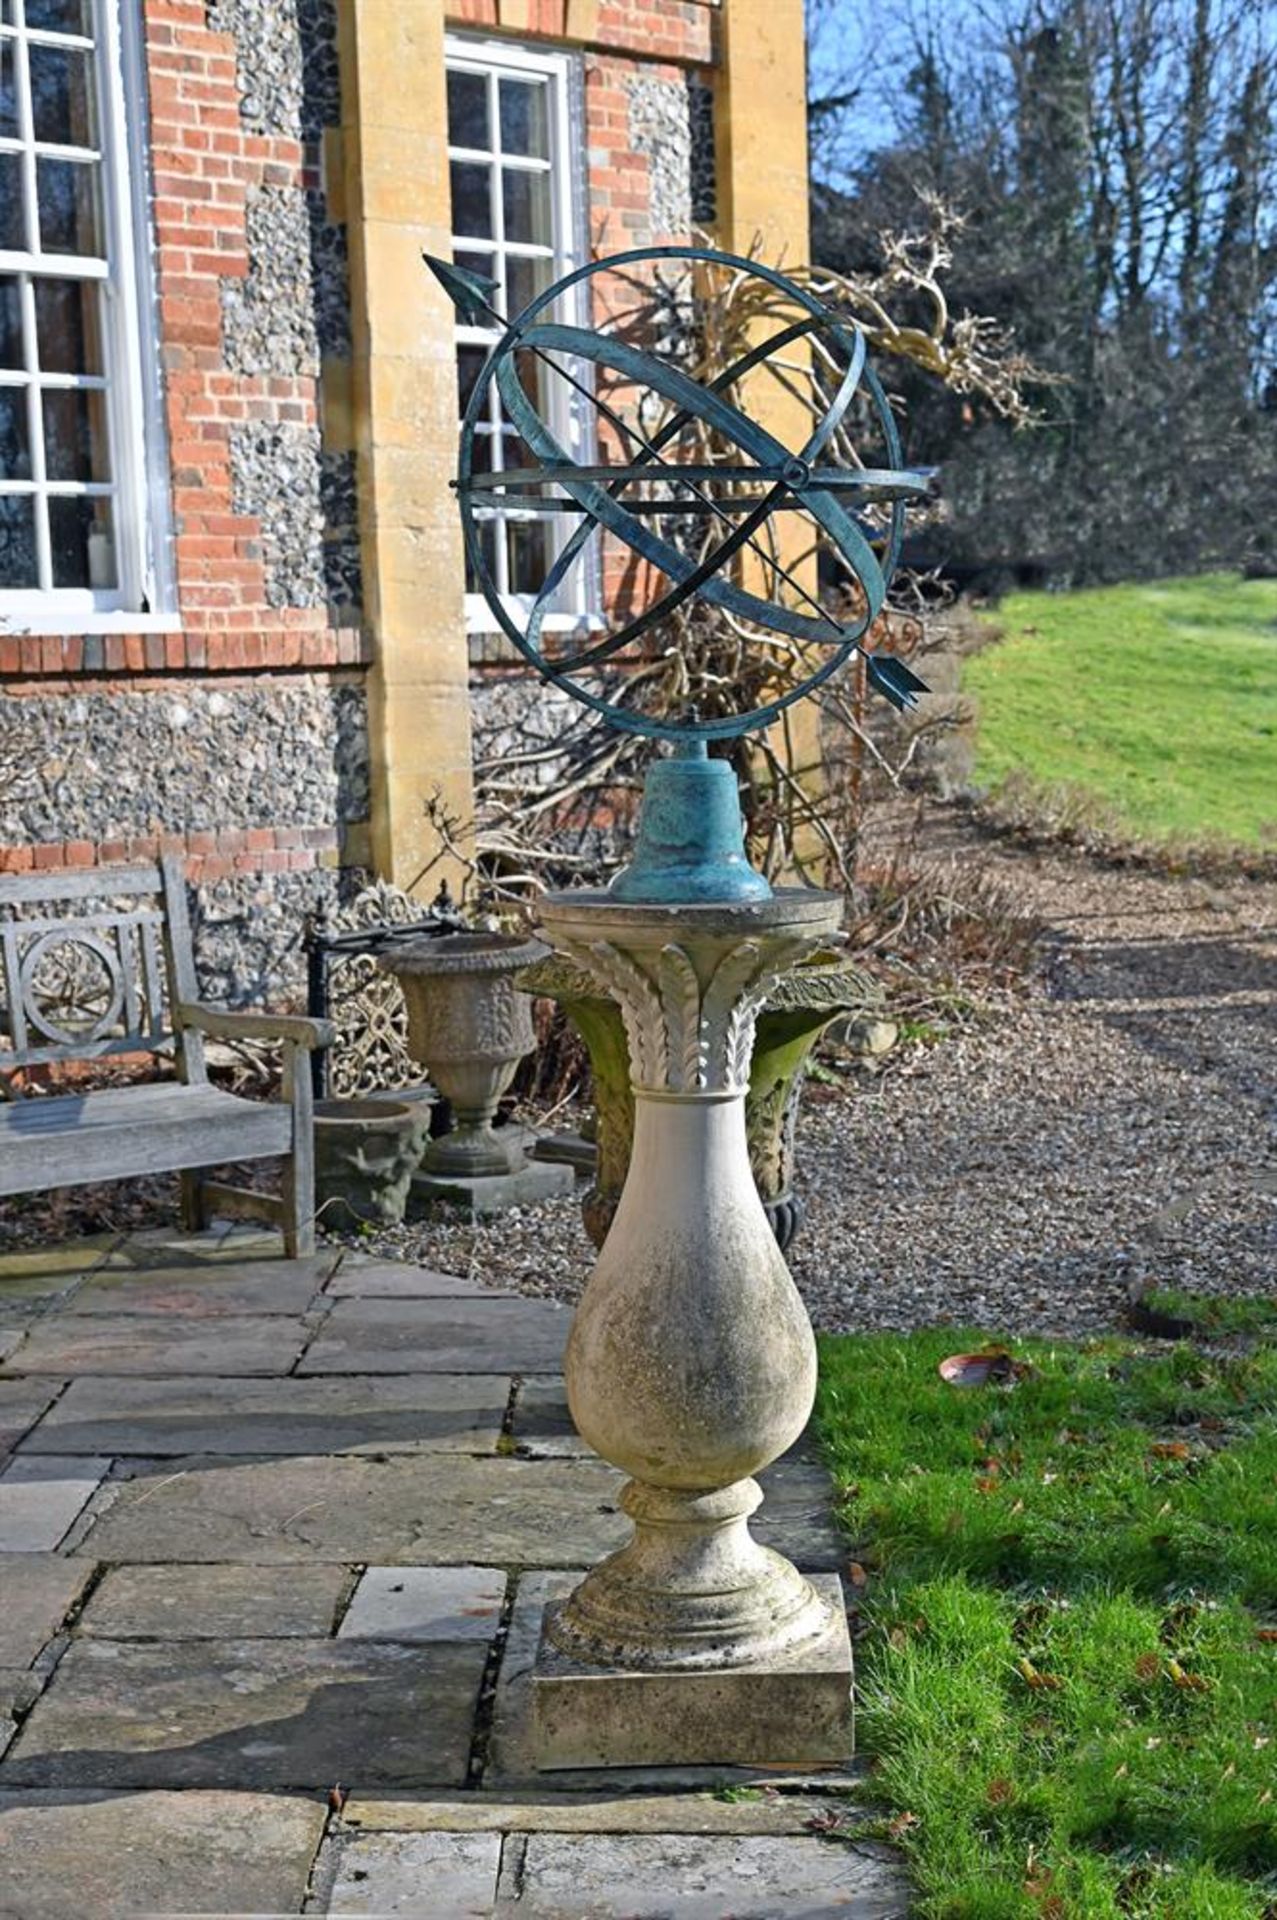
{"x":561,"y":66}
{"x":145,"y":599}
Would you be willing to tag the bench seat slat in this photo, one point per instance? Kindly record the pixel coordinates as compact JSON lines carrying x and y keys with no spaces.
{"x":120,"y":1132}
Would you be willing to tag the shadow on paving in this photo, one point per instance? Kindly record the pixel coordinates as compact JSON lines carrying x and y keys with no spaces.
{"x":252,"y":1714}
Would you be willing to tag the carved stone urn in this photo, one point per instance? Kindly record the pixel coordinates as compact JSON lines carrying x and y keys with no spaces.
{"x":798,"y":1008}
{"x":690,"y":1365}
{"x":470,"y":1025}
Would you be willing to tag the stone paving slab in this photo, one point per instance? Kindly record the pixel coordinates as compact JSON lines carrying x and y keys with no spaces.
{"x":440,"y":1336}
{"x":511,"y":1764}
{"x":19,"y":1689}
{"x":423,"y":1874}
{"x":159,"y":1344}
{"x":384,"y":1280}
{"x":37,"y":1591}
{"x":51,"y":1270}
{"x":251,"y":1713}
{"x":215,"y":1603}
{"x":447,"y":1412}
{"x":11,"y":1337}
{"x":552,"y":1876}
{"x":111,"y":1856}
{"x":21,"y":1404}
{"x":212,"y":1292}
{"x":795,"y":1516}
{"x":383,"y":1510}
{"x":39,"y":1499}
{"x":411,"y":1604}
{"x":222,"y":1240}
{"x":542,"y":1426}
{"x":769,"y":1810}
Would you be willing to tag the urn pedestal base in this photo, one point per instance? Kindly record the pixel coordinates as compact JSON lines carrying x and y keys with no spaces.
{"x":790,"y":1709}
{"x":487,"y":1193}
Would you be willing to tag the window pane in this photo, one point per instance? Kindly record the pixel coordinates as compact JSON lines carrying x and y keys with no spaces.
{"x":10,"y":324}
{"x":524,"y":127}
{"x":524,"y":279}
{"x":9,"y":88}
{"x":62,"y":103}
{"x":12,"y":224}
{"x":468,"y":111}
{"x":15,"y":449}
{"x":81,"y":538}
{"x":17,"y":541}
{"x":59,"y":16}
{"x":75,"y":441}
{"x":469,"y":365}
{"x":70,"y":207}
{"x":471,"y":198}
{"x":527,"y":207}
{"x":481,"y":450}
{"x":66,"y":323}
{"x":529,"y":561}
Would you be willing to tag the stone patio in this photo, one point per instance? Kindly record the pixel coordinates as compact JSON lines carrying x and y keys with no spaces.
{"x":275,"y":1537}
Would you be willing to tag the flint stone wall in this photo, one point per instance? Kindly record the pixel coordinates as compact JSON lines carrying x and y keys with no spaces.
{"x":118,"y":765}
{"x":292,"y":309}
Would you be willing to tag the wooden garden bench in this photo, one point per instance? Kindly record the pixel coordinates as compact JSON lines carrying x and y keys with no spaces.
{"x":97,"y":963}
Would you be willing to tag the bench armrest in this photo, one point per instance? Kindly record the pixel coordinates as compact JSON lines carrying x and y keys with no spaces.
{"x":220,"y":1023}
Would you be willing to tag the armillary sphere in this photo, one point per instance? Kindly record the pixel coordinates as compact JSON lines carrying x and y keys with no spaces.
{"x":692,"y":529}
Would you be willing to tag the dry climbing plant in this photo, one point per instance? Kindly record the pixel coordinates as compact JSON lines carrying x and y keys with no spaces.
{"x":557,"y":805}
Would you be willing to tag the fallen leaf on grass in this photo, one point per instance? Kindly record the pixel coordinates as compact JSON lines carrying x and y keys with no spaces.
{"x":998,"y":1792}
{"x":1268,"y":1635}
{"x":857,"y":1575}
{"x":901,"y":1824}
{"x":1169,"y":1450}
{"x":824,"y":1820}
{"x":1147,"y":1667}
{"x":1041,"y":1682}
{"x":1188,"y":1682}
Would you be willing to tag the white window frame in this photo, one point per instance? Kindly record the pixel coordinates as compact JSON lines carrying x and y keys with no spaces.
{"x":143,"y":599}
{"x":570,"y":421}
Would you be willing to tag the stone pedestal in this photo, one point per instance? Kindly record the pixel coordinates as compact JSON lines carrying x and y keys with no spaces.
{"x":786,"y":1709}
{"x":691,"y":1365}
{"x":486,"y":1193}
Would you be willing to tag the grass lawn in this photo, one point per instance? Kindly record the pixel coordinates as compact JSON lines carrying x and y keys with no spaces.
{"x":1157,"y":702}
{"x":1068,"y":1681}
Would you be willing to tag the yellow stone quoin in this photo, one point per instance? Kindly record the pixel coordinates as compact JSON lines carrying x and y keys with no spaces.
{"x":396,"y":403}
{"x":403,"y":420}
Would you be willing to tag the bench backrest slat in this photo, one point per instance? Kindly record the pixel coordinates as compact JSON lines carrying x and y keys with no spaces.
{"x":101,"y":979}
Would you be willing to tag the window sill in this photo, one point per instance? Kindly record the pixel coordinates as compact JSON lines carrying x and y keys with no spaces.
{"x":72,"y":625}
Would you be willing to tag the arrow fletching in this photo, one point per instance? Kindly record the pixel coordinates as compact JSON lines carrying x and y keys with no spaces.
{"x":894,"y":680}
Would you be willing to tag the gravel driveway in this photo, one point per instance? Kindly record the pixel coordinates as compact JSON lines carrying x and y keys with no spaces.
{"x":1117,"y":1123}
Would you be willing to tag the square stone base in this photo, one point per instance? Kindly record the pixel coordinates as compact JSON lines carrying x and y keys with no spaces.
{"x":489,"y":1192}
{"x":795,"y":1710}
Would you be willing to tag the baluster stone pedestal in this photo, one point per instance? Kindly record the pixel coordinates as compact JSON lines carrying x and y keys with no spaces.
{"x":691,"y":1365}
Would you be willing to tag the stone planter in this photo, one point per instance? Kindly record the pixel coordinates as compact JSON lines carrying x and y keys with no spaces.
{"x":798,"y":1007}
{"x":366,"y":1152}
{"x":470,"y":1025}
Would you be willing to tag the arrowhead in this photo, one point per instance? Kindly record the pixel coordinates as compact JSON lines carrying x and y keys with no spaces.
{"x":894,"y":680}
{"x":470,"y":293}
